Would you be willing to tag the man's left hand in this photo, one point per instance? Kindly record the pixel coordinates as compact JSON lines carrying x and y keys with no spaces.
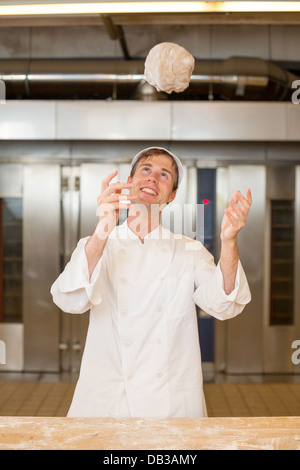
{"x":235,"y":215}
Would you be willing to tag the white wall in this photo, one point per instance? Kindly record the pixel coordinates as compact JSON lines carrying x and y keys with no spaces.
{"x":274,"y":42}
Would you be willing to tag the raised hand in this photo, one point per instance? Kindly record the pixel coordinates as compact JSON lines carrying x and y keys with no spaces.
{"x":235,"y":215}
{"x":110,"y":201}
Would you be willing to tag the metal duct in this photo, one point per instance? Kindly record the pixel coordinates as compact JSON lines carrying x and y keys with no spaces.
{"x":237,"y":78}
{"x":240,"y":78}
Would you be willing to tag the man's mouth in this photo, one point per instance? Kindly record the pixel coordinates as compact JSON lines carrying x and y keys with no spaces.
{"x":149,"y":191}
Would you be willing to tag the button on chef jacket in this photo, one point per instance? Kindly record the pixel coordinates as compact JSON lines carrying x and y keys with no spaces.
{"x":142,"y":355}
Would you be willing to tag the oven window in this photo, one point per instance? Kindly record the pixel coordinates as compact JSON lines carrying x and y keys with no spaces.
{"x":11,"y":212}
{"x":282,"y":262}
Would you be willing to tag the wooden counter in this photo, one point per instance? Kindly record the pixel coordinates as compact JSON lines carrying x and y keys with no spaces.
{"x":273,"y":433}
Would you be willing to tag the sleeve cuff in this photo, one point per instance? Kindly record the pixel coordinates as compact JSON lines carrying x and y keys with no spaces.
{"x":211,"y":297}
{"x":76,"y":274}
{"x":240,"y":293}
{"x":220,"y":281}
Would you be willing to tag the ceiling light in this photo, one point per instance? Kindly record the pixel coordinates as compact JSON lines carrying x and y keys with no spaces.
{"x":147,"y":7}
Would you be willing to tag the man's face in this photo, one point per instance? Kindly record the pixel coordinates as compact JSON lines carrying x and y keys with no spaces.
{"x":153,"y":180}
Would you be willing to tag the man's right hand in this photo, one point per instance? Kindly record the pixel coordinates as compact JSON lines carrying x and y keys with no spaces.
{"x":110,"y":201}
{"x":109,"y":205}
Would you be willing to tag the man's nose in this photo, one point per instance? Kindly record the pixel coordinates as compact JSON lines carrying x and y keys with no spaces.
{"x":153,"y":176}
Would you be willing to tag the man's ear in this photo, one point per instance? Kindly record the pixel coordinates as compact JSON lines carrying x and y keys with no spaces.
{"x":129,"y":179}
{"x":172,"y":196}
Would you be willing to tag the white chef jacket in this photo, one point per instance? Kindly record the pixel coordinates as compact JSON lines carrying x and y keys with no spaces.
{"x":142,"y":354}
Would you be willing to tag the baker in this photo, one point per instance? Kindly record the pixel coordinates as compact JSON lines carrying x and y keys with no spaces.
{"x":141,"y":283}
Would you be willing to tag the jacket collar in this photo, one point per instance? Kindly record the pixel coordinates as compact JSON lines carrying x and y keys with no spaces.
{"x":159,"y":233}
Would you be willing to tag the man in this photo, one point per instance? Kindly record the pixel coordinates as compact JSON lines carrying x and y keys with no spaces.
{"x":141,"y":283}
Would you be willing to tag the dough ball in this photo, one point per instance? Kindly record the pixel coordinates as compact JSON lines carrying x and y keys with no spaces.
{"x":168,"y":67}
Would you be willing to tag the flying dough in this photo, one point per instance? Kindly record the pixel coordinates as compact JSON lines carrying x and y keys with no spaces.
{"x":168,"y":67}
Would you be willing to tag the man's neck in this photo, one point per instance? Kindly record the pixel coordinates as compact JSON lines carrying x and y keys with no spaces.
{"x":141,"y":223}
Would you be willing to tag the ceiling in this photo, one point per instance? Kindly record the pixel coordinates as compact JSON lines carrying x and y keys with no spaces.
{"x":147,"y":12}
{"x":237,"y":78}
{"x":156,"y":18}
